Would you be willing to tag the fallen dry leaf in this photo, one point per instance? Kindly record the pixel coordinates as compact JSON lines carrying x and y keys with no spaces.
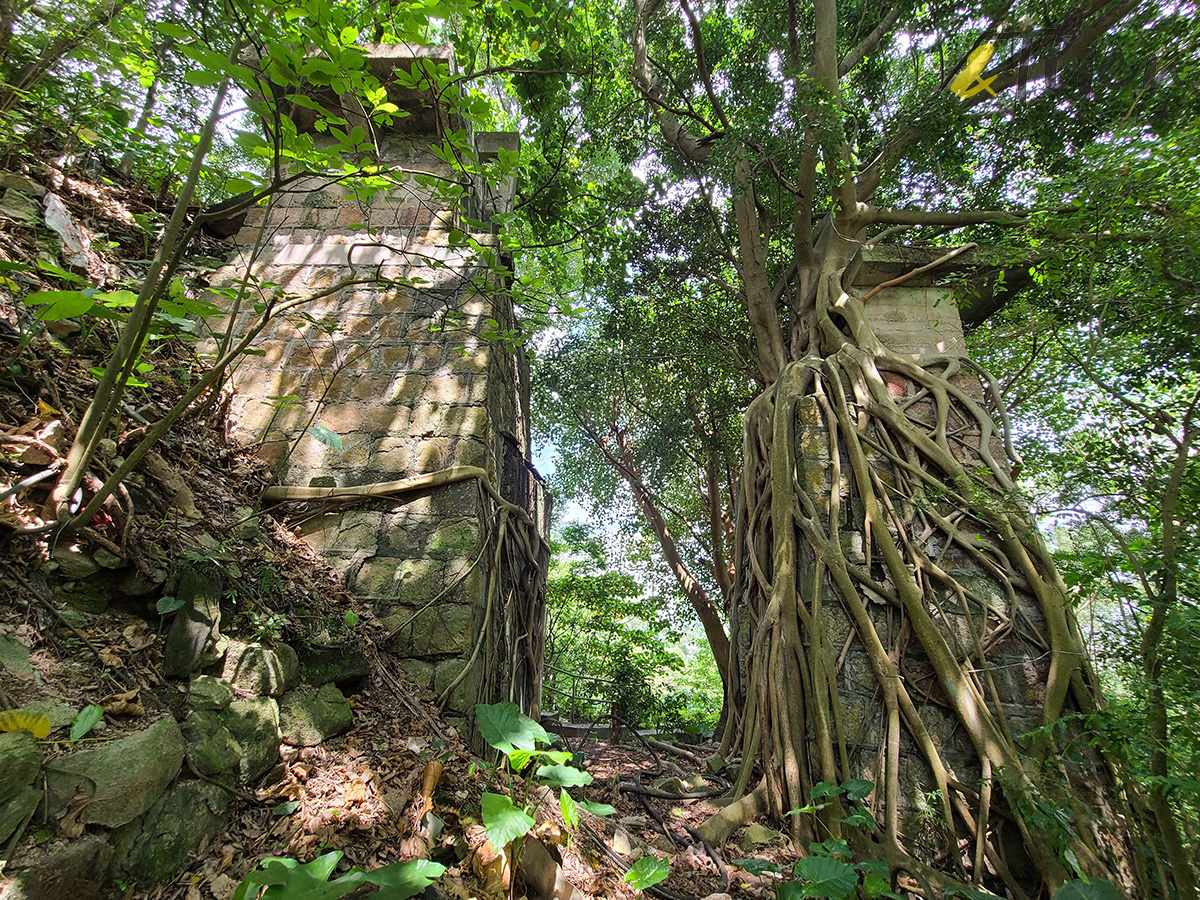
{"x":109,"y":657}
{"x":125,"y":704}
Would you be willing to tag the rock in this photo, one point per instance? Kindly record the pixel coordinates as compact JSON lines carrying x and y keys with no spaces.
{"x":718,"y":897}
{"x":621,"y":842}
{"x":339,"y":665}
{"x":14,"y":811}
{"x":671,"y":785}
{"x":756,"y":835}
{"x":74,"y":871}
{"x":20,"y":762}
{"x":19,"y":207}
{"x":13,"y":181}
{"x":240,"y":741}
{"x":212,"y":750}
{"x":124,"y":778}
{"x":106,"y":559}
{"x":309,"y":717}
{"x":208,"y":693}
{"x":155,"y":847}
{"x":136,"y":583}
{"x":254,"y":724}
{"x":194,"y":639}
{"x":74,"y":563}
{"x":289,"y":660}
{"x":259,"y":670}
{"x":59,"y":713}
{"x":14,"y":656}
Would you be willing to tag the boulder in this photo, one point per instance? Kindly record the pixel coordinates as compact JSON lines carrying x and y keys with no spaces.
{"x":14,"y":811}
{"x":74,"y":871}
{"x":211,"y":750}
{"x":20,"y":762}
{"x":309,"y":717}
{"x":153,"y":848}
{"x":208,"y":693}
{"x":336,"y":665}
{"x":239,"y":742}
{"x":194,"y":640}
{"x":122,"y":779}
{"x":757,"y":835}
{"x":261,"y":670}
{"x":254,"y":724}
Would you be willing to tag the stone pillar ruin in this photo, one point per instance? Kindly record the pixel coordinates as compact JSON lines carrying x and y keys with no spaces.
{"x":379,"y":382}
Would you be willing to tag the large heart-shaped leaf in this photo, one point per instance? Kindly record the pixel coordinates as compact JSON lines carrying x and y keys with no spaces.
{"x":826,"y":878}
{"x":563,"y":776}
{"x":399,"y":881}
{"x":647,"y":871}
{"x":503,"y":727}
{"x":503,"y":821}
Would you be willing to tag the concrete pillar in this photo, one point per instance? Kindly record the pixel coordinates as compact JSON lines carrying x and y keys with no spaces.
{"x":379,"y":382}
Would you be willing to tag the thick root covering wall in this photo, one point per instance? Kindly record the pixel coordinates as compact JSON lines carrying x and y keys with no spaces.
{"x":899,"y":620}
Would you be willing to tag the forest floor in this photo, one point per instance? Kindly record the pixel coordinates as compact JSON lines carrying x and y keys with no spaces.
{"x":401,"y":784}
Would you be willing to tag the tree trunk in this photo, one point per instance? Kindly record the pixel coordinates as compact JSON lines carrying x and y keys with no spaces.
{"x":899,"y":620}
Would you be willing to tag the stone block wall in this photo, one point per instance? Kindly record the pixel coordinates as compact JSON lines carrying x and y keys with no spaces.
{"x":376,"y":382}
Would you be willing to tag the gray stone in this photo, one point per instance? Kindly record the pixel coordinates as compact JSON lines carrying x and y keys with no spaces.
{"x":257,"y":669}
{"x":308,"y":717}
{"x":254,"y":724}
{"x":756,"y":835}
{"x":20,"y":762}
{"x":419,"y":671}
{"x":152,"y":849}
{"x":74,"y":563}
{"x":15,"y":182}
{"x":19,"y":207}
{"x":59,"y":713}
{"x":209,"y":693}
{"x":14,"y":656}
{"x":74,"y":871}
{"x":124,"y":778}
{"x":671,"y":785}
{"x":212,"y":750}
{"x":136,"y":583}
{"x":441,"y":630}
{"x":195,"y":637}
{"x":14,"y":811}
{"x":289,"y":660}
{"x":336,"y":665}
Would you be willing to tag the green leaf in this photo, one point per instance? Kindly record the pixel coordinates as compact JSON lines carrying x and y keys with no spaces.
{"x":326,"y":437}
{"x":348,"y":35}
{"x":563,"y":776}
{"x":170,"y":29}
{"x":503,"y":821}
{"x":167,"y":605}
{"x":89,"y":717}
{"x":518,"y":760}
{"x":598,"y":809}
{"x":858,"y":788}
{"x":970,"y":893}
{"x":60,"y":304}
{"x":203,"y":77}
{"x":831,"y":847}
{"x":286,"y":808}
{"x":570,"y":811}
{"x":824,"y":789}
{"x":238,"y":185}
{"x":826,"y":878}
{"x":503,"y":727}
{"x":1091,"y":889}
{"x":399,"y":881}
{"x":646,"y":872}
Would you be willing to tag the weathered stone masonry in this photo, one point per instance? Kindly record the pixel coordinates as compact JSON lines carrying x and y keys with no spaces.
{"x":376,"y":383}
